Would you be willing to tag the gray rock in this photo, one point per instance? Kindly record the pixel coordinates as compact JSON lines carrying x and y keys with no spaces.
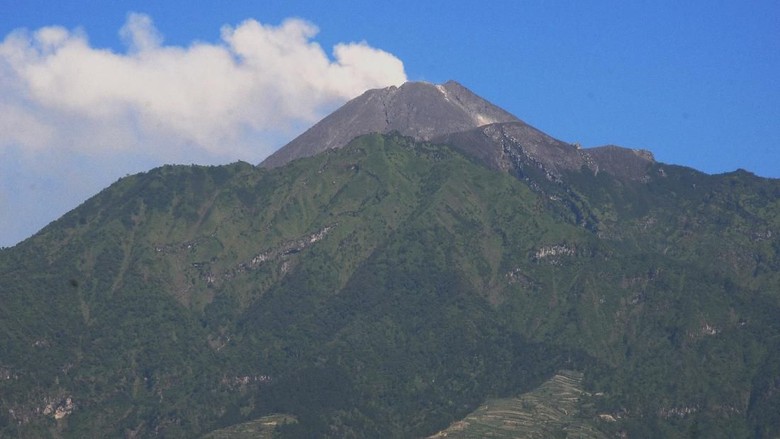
{"x":513,"y":146}
{"x":415,"y":109}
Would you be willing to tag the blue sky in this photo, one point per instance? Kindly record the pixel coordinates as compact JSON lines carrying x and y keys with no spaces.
{"x":695,"y":82}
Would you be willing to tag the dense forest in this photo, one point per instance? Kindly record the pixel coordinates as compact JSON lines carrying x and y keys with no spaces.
{"x":387,"y":289}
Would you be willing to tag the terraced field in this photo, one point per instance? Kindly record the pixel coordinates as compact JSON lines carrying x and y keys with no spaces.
{"x":261,"y":428}
{"x":553,"y":410}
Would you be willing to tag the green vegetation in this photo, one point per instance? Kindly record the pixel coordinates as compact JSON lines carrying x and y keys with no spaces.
{"x":389,"y":289}
{"x":557,"y":408}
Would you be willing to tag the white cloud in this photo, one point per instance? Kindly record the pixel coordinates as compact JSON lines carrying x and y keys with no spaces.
{"x":258,"y":78}
{"x":238,"y":98}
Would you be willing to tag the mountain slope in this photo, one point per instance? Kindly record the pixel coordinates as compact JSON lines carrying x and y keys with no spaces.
{"x":235,"y":281}
{"x":518,"y":148}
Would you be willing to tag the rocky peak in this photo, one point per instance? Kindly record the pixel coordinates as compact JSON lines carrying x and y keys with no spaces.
{"x":452,"y":114}
{"x":417,"y":109}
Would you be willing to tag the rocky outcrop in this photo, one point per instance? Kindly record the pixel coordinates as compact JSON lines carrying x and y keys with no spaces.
{"x":629,"y":164}
{"x":280,"y":252}
{"x":518,"y":147}
{"x":59,"y":409}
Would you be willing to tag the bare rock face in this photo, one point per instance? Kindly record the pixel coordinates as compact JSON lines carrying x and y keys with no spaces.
{"x":450,"y":113}
{"x":415,"y":109}
{"x":621,"y":162}
{"x":508,"y":146}
{"x":515,"y":146}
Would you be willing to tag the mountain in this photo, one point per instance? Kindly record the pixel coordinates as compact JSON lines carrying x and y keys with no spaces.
{"x":393,"y":286}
